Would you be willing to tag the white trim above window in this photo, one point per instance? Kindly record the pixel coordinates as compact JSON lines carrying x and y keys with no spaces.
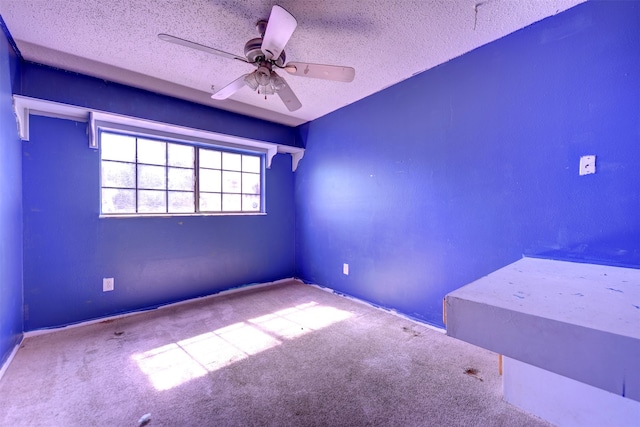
{"x":25,"y":106}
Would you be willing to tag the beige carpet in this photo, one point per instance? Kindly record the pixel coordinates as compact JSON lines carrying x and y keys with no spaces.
{"x":283,"y":355}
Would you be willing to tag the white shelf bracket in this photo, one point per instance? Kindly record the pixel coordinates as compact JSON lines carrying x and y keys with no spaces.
{"x":22,"y":118}
{"x":93,"y":137}
{"x":295,"y":159}
{"x":24,"y":106}
{"x":271,"y":152}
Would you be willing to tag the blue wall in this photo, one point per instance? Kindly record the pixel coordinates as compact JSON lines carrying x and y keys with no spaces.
{"x":68,"y":249}
{"x":10,"y":205}
{"x":447,"y":176}
{"x":421,"y":188}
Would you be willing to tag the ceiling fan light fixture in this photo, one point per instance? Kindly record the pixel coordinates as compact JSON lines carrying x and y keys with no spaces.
{"x":251,"y":80}
{"x":265,"y":84}
{"x":263,"y":76}
{"x":266,"y":90}
{"x":277,"y":82}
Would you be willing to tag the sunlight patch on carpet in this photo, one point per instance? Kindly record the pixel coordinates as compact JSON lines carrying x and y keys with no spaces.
{"x":173,"y":364}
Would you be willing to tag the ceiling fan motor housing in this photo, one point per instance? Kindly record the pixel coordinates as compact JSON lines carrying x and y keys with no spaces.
{"x":253,"y":52}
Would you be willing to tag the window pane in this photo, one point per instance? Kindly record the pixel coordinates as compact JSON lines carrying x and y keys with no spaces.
{"x":152,"y":177}
{"x":210,"y":202}
{"x":251,"y":164}
{"x":210,"y":180}
{"x":251,"y":203}
{"x":251,"y":183}
{"x":116,"y":174}
{"x":231,"y":202}
{"x":180,"y":155}
{"x":230,"y":182}
{"x":180,"y":201}
{"x":152,"y":201}
{"x":231,"y":161}
{"x":210,"y":159}
{"x":180,"y":179}
{"x":117,"y":147}
{"x":118,"y":201}
{"x":152,"y":152}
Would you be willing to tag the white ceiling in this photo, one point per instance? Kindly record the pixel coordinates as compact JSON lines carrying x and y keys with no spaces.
{"x":386,"y":41}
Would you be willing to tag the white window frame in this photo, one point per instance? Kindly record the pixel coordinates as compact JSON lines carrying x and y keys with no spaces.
{"x":196,"y":169}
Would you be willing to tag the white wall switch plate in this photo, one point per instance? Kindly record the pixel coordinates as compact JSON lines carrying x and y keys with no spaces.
{"x":345,"y":269}
{"x":587,"y":165}
{"x":107,"y":284}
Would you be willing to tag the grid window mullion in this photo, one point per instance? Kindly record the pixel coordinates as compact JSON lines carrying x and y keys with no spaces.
{"x":196,"y":176}
{"x":136,"y":168}
{"x":166,"y":177}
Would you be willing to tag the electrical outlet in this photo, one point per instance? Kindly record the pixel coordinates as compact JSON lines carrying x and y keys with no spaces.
{"x":587,"y":165}
{"x":107,"y":284}
{"x":345,"y":269}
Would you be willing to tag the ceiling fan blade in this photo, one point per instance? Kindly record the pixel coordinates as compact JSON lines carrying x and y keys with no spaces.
{"x":281,"y":26}
{"x":320,"y":71}
{"x":194,"y":45}
{"x":230,"y":89}
{"x":287,"y":96}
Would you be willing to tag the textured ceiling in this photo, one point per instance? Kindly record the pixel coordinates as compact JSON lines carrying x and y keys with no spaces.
{"x":386,"y":41}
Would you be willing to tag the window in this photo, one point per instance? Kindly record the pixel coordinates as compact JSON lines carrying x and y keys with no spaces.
{"x":146,"y":176}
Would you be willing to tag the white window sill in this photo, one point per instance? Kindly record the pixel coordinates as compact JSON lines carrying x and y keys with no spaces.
{"x":180,"y":215}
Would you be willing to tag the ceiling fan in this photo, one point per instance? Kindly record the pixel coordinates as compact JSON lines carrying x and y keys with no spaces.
{"x":267,"y":53}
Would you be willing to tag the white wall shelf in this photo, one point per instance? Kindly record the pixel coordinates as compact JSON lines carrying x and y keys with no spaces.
{"x":26,"y":106}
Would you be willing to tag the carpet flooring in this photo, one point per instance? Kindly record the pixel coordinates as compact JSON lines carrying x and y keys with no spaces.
{"x":282,"y":355}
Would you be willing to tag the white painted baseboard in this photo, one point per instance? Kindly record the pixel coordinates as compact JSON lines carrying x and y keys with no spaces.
{"x":120,"y":316}
{"x":393,"y":312}
{"x":6,"y":364}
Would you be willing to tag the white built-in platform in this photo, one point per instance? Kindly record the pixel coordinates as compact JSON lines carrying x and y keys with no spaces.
{"x":570,"y":333}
